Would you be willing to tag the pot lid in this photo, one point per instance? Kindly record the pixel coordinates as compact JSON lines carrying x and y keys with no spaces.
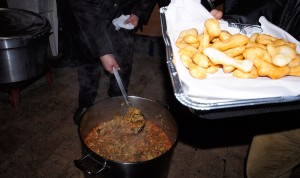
{"x":16,"y":23}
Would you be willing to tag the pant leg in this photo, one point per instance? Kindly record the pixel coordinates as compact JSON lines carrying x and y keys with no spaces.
{"x":88,"y":67}
{"x":123,"y":42}
{"x":274,"y":155}
{"x":89,"y":72}
{"x":88,"y":79}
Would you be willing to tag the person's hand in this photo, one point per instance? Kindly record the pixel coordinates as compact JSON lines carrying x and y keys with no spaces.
{"x":216,"y":13}
{"x":108,"y":61}
{"x":132,"y":19}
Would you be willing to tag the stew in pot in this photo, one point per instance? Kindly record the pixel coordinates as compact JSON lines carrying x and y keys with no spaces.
{"x":114,"y":140}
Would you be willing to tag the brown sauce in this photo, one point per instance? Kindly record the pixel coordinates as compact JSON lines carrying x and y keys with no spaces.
{"x":111,"y":141}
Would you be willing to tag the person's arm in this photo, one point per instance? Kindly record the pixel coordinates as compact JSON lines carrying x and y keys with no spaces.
{"x":142,"y":9}
{"x":94,"y":30}
{"x":92,"y":26}
{"x":283,"y":13}
{"x":216,"y":13}
{"x":211,"y":4}
{"x":108,"y":61}
{"x":133,"y":19}
{"x":248,"y":12}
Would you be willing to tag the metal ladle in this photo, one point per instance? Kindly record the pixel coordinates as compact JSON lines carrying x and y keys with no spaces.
{"x":137,"y":125}
{"x":121,"y":86}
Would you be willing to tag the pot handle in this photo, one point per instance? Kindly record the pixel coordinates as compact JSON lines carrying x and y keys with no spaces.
{"x":80,"y":165}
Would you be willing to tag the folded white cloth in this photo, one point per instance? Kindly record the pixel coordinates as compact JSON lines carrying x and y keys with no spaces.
{"x":119,"y":22}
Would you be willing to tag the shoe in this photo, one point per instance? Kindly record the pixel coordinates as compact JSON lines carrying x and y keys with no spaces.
{"x":78,"y":115}
{"x":64,"y":61}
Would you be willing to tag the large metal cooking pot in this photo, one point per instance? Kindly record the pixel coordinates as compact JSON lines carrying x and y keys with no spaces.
{"x":24,"y":38}
{"x":105,"y":110}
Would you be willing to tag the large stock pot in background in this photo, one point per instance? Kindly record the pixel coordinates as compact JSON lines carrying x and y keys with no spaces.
{"x":24,"y":38}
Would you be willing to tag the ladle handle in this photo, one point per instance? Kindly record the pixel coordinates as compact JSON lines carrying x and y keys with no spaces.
{"x":121,"y":86}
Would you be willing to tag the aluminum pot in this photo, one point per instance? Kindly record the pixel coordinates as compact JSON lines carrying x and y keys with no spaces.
{"x":105,"y":110}
{"x":24,"y":38}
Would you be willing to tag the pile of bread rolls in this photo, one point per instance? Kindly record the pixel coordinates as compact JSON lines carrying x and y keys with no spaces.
{"x":260,"y":55}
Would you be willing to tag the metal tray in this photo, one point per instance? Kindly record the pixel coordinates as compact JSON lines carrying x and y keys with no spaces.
{"x":228,"y":108}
